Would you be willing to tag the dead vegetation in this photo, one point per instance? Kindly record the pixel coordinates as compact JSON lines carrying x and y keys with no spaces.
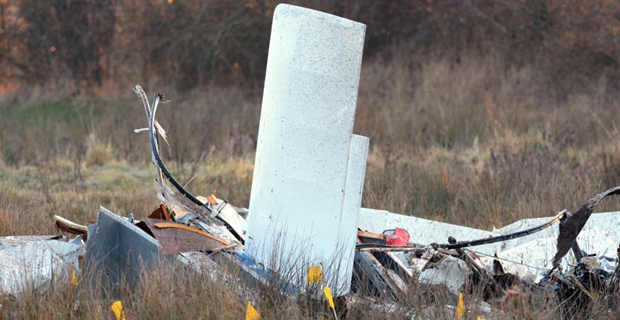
{"x":471,"y":143}
{"x":497,"y":177}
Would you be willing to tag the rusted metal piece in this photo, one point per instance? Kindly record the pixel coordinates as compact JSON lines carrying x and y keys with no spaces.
{"x":164,"y":225}
{"x":176,"y":240}
{"x":212,"y":200}
{"x":161,"y":213}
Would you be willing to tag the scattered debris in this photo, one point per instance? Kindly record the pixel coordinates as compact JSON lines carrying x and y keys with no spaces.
{"x":570,"y":228}
{"x":566,"y":255}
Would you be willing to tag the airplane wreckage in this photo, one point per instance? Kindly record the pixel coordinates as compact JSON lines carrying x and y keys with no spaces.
{"x":306,"y":206}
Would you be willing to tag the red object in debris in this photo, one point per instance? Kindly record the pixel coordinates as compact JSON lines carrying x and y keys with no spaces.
{"x":396,"y":237}
{"x":513,"y":297}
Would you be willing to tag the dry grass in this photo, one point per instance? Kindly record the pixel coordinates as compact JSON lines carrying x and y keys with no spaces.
{"x":471,"y":145}
{"x":468,"y":143}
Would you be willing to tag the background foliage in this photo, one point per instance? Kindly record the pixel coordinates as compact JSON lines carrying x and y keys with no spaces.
{"x":479,"y":112}
{"x":87,"y":45}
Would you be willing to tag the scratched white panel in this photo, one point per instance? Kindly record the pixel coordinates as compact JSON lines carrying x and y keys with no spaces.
{"x":423,"y":231}
{"x":354,"y":187}
{"x":298,"y":189}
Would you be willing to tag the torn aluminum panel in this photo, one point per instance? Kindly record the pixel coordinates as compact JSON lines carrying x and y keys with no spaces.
{"x":254,"y":272}
{"x":599,"y":236}
{"x":304,"y":200}
{"x":203,"y":264}
{"x":230,"y":215}
{"x":221,"y":231}
{"x":33,"y":261}
{"x":450,"y":271}
{"x":608,"y":223}
{"x":117,"y":250}
{"x":529,"y":258}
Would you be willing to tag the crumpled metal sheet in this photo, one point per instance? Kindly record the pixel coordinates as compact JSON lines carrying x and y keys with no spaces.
{"x":231,"y":216}
{"x":450,"y":271}
{"x":119,"y":251}
{"x":33,"y":261}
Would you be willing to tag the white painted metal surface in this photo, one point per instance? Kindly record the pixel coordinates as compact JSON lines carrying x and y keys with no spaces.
{"x":522,"y":256}
{"x":28,"y":262}
{"x":422,"y":231}
{"x":608,"y":223}
{"x":308,"y":168}
{"x":351,"y":205}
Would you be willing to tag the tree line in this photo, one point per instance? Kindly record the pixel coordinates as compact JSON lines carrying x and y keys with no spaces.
{"x":89,"y":44}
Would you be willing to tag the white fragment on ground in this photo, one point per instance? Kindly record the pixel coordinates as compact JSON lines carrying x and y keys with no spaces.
{"x":31,"y":262}
{"x":450,"y":271}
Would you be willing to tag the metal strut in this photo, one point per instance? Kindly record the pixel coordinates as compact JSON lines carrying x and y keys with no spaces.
{"x":160,"y":163}
{"x":463,"y":244}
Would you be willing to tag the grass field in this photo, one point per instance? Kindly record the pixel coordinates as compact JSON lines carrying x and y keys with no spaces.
{"x":469,"y":143}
